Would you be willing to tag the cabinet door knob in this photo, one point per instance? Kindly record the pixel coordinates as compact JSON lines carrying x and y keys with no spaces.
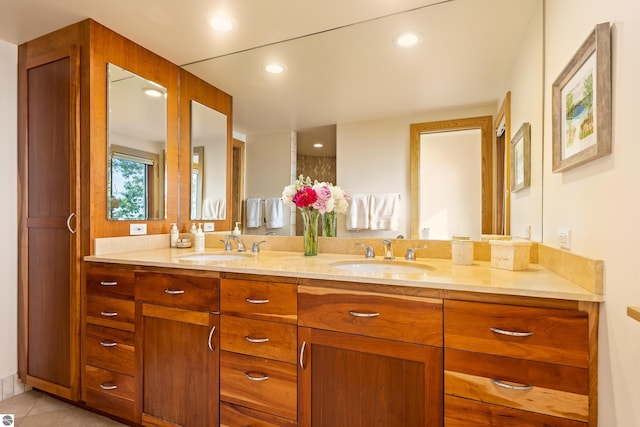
{"x":109,"y":313}
{"x":103,"y":283}
{"x":108,"y":343}
{"x":510,"y":333}
{"x":210,"y":343}
{"x":256,"y":301}
{"x":174,"y":291}
{"x":511,"y":386}
{"x":108,"y":386}
{"x":256,"y":376}
{"x":358,"y":314}
{"x":256,"y":340}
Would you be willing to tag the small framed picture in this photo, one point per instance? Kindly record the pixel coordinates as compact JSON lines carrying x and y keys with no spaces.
{"x":581,"y":103}
{"x":521,"y":159}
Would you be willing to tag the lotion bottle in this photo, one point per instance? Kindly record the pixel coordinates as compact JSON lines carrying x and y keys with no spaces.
{"x":236,"y":231}
{"x":174,"y":235}
{"x":199,"y":239}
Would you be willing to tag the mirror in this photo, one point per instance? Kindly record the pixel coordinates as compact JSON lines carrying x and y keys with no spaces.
{"x":209,"y":163}
{"x":473,"y":52}
{"x":136,"y":146}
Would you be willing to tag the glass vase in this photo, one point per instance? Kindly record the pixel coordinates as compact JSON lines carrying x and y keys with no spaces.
{"x":329,"y":224}
{"x":310,"y":231}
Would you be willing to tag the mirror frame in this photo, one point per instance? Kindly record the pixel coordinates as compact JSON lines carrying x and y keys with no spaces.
{"x":485,"y":124}
{"x":109,"y":47}
{"x":193,"y":88}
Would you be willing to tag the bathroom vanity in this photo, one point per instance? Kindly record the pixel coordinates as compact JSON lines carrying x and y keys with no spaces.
{"x":278,"y":339}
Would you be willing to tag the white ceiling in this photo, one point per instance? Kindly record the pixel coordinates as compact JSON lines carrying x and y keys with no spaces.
{"x":349,"y":74}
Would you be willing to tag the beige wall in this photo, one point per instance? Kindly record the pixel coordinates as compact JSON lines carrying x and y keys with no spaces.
{"x":9,"y":213}
{"x":600,"y":201}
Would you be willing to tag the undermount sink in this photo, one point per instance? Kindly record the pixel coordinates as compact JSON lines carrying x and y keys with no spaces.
{"x":381,"y":266}
{"x":216,"y":256}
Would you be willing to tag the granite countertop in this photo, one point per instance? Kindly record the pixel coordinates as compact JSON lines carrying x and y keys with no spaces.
{"x":439,"y":274}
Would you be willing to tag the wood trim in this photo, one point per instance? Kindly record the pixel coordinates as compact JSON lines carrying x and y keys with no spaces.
{"x":505,"y":111}
{"x":633,"y":312}
{"x":237,"y":181}
{"x":593,"y":309}
{"x":193,"y":88}
{"x":485,"y":124}
{"x":176,"y":314}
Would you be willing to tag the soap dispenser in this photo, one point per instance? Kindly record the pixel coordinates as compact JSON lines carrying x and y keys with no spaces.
{"x":193,"y":228}
{"x":236,"y":230}
{"x":199,"y":239}
{"x":175,"y":234}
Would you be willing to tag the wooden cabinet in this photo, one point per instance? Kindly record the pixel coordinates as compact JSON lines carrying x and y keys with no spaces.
{"x":258,"y":375}
{"x":368,"y":359}
{"x":179,"y":352}
{"x":109,"y":342}
{"x":508,"y":365}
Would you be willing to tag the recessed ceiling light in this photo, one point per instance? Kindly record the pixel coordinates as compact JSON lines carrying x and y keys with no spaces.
{"x":407,"y":39}
{"x":155,"y":93}
{"x":221,"y":23}
{"x":274,"y":68}
{"x":318,"y":145}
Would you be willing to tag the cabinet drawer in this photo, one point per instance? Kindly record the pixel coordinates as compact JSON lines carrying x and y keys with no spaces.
{"x":259,"y":300}
{"x":402,"y":318}
{"x":110,"y":348}
{"x":555,"y":390}
{"x":460,"y":412}
{"x":110,"y":392}
{"x":111,"y":312}
{"x":181,"y":291}
{"x":110,"y":282}
{"x":259,"y":338}
{"x":546,"y":335}
{"x":238,"y":416}
{"x":261,"y":384}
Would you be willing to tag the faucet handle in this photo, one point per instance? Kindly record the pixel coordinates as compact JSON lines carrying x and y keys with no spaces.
{"x":255,"y":247}
{"x":227,"y":244}
{"x":410,"y":255}
{"x":368,"y":250}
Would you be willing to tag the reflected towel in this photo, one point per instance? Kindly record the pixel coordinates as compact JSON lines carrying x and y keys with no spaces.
{"x":357,"y":217}
{"x":273,"y":212}
{"x":383,"y":211}
{"x":253,"y":213}
{"x":208,"y":209}
{"x":220,"y":209}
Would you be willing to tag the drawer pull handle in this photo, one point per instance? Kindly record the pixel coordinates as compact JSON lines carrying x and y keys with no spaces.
{"x":103,"y":283}
{"x":510,"y":333}
{"x":303,"y":347}
{"x":108,"y":386}
{"x":256,"y":376}
{"x":358,"y":314}
{"x":108,"y":343}
{"x":174,"y":291}
{"x":511,"y":386}
{"x":209,"y":343}
{"x":256,"y":340}
{"x":109,"y":313}
{"x":257,"y":301}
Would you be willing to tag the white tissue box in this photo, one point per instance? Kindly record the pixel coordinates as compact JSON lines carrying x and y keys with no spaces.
{"x":510,"y":254}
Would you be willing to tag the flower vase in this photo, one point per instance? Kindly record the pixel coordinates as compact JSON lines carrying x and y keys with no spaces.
{"x":310,"y":231}
{"x":329,"y":224}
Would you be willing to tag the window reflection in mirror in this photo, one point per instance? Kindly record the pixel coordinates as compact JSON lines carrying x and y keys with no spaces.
{"x":137,"y":127}
{"x":208,"y":163}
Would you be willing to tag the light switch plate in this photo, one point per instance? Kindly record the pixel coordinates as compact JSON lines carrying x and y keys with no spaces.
{"x":137,"y":229}
{"x":209,"y":226}
{"x":564,"y":236}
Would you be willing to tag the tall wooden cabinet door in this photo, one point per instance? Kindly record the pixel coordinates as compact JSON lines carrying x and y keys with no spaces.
{"x":49,"y":247}
{"x":179,"y":364}
{"x":346,"y":379}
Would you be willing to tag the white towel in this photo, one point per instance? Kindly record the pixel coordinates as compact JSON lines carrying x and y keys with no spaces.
{"x":273,"y":212}
{"x":221,"y":209}
{"x":253,"y":213}
{"x":208,"y":209}
{"x":357,"y":217}
{"x":383,"y":211}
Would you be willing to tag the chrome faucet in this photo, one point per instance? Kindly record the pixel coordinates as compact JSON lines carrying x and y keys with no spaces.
{"x":410,"y":255}
{"x":368,"y":250}
{"x":388,"y":249}
{"x":255,"y":247}
{"x":239,"y":242}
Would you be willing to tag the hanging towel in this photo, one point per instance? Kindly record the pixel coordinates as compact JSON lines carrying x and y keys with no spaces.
{"x":220,"y":209}
{"x":358,"y":214}
{"x":208,"y":209}
{"x":383,"y":211}
{"x":273,"y":212}
{"x":253,"y":213}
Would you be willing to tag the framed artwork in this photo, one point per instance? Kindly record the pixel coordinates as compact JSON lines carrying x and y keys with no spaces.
{"x":581,"y":103}
{"x":521,"y":159}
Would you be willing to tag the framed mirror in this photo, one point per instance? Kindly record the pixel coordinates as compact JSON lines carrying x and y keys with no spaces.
{"x":136,"y":146}
{"x":209,"y":136}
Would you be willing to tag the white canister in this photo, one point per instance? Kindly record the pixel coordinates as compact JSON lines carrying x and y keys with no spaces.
{"x":462,"y":252}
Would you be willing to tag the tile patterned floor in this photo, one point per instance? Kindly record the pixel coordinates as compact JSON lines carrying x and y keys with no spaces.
{"x":36,"y":409}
